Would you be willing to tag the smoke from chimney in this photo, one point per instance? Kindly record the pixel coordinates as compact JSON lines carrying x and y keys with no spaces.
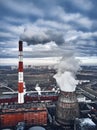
{"x":66,"y":71}
{"x":40,"y":36}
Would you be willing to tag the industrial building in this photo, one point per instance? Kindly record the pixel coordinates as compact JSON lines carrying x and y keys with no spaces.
{"x":30,"y":109}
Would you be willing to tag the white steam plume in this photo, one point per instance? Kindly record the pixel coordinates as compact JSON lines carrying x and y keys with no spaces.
{"x":67,"y":69}
{"x":38,"y":89}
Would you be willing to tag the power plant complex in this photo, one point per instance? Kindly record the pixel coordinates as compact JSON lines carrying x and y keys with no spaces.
{"x":20,"y":111}
{"x":33,"y":110}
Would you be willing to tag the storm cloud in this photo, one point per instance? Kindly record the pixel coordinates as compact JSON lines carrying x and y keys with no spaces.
{"x":56,"y":25}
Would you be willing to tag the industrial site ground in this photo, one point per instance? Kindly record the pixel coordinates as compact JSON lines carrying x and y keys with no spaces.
{"x":86,"y":90}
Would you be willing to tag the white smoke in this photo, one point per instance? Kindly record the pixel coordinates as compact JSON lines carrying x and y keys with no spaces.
{"x":66,"y":71}
{"x":42,"y":36}
{"x":38,"y":89}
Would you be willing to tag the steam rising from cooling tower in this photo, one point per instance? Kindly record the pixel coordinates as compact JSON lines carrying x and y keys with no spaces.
{"x":40,"y":36}
{"x":66,"y":71}
{"x":67,"y":106}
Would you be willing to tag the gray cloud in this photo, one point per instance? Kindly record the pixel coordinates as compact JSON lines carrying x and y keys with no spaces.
{"x":69,"y":22}
{"x":81,"y":4}
{"x":22,"y":7}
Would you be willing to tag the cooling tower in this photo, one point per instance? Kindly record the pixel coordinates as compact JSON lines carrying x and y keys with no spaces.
{"x":67,"y":108}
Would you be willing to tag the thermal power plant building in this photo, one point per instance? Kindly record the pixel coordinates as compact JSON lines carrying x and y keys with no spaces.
{"x":31,"y":113}
{"x":67,"y":108}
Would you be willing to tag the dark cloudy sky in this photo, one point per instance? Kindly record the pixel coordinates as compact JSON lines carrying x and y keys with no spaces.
{"x":49,"y":27}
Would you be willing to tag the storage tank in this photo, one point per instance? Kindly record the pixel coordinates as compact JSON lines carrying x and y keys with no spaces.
{"x":36,"y":128}
{"x":67,"y":108}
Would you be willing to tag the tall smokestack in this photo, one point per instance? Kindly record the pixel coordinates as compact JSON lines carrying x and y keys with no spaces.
{"x":20,"y":74}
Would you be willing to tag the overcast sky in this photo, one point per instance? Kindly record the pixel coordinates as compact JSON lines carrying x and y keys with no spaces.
{"x":48,"y":27}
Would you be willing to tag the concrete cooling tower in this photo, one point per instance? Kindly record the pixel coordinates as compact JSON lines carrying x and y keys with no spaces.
{"x":67,"y":108}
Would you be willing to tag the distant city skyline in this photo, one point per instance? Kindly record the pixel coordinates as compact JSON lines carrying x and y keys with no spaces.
{"x":48,"y":28}
{"x":46,"y":61}
{"x":30,"y":61}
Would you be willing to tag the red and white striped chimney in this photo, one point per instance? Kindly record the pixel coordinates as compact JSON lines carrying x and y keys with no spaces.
{"x":20,"y":74}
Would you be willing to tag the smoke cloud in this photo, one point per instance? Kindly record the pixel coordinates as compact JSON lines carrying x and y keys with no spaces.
{"x":40,"y":36}
{"x":66,"y":71}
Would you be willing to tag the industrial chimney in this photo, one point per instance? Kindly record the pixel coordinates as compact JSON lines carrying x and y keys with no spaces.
{"x":20,"y":74}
